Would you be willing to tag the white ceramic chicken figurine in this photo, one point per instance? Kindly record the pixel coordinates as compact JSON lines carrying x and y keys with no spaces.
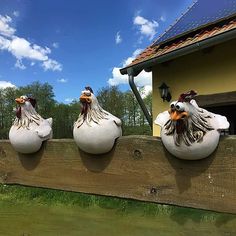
{"x":188,"y":131}
{"x":96,"y":130}
{"x":29,"y":129}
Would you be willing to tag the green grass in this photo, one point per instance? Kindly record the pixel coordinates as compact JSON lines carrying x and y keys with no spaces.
{"x":43,"y":196}
{"x":38,"y":211}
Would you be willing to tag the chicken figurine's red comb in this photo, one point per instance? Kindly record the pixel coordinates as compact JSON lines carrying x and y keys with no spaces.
{"x":187,"y":97}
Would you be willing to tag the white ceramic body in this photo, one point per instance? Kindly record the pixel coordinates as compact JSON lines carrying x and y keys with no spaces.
{"x":195,"y":151}
{"x":97,"y":138}
{"x":25,"y":140}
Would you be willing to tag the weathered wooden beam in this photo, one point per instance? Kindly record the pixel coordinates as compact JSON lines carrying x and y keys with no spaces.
{"x":138,"y":167}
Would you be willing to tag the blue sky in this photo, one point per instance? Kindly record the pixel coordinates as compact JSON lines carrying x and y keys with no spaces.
{"x":74,"y":43}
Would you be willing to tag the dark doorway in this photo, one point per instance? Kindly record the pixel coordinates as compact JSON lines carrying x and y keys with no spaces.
{"x":228,"y":111}
{"x":222,"y":104}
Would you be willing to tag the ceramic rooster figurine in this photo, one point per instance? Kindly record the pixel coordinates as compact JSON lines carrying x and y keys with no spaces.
{"x":188,"y":131}
{"x":29,"y":129}
{"x":96,"y":130}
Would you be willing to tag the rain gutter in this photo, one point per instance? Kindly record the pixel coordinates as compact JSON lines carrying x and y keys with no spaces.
{"x":220,"y":38}
{"x":147,"y":65}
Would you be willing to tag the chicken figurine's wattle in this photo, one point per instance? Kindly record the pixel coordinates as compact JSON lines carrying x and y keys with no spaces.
{"x":188,"y":131}
{"x":29,"y":129}
{"x":96,"y":130}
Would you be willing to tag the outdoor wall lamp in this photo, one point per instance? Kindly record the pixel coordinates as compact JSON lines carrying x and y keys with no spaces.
{"x":164,"y":92}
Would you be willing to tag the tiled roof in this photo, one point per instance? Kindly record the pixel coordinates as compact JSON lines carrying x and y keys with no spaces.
{"x":154,"y":51}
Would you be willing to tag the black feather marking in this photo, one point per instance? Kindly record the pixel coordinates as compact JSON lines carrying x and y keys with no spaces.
{"x":18,"y":112}
{"x":89,"y":88}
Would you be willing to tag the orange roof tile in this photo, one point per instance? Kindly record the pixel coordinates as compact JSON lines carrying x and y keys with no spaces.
{"x":154,"y":51}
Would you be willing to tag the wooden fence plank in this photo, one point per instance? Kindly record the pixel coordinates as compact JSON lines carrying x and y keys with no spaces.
{"x":138,"y":167}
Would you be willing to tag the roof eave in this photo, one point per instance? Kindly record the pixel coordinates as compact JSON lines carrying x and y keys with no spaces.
{"x":147,"y":64}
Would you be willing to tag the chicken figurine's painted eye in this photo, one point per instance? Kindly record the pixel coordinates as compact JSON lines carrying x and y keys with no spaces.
{"x":179,"y":106}
{"x":24,"y":97}
{"x":172,"y":105}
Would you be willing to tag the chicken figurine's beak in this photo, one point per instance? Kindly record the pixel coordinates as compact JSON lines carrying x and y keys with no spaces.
{"x":177,"y":115}
{"x":20,"y":100}
{"x":85,"y":99}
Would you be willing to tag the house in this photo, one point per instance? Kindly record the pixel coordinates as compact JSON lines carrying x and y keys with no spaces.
{"x":197,"y":52}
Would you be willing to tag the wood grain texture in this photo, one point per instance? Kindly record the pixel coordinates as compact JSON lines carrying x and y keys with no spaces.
{"x":138,"y":167}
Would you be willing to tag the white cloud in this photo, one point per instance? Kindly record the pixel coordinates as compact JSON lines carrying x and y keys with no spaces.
{"x":62,"y":80}
{"x":19,"y":64}
{"x":6,"y":84}
{"x":5,"y":29}
{"x":16,"y":13}
{"x":21,"y":48}
{"x":145,"y":90}
{"x":52,"y":65}
{"x":163,"y":18}
{"x":4,"y":43}
{"x":117,"y":77}
{"x":69,"y":100}
{"x":143,"y":79}
{"x":118,"y":38}
{"x":55,"y":45}
{"x":131,"y":58}
{"x":146,"y":27}
{"x":139,"y":20}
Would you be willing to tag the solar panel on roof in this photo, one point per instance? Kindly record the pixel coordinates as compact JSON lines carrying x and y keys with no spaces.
{"x":202,"y":12}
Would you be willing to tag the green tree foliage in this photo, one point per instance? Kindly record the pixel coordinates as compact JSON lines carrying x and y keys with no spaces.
{"x":64,"y":118}
{"x":120,"y":104}
{"x":7,"y":114}
{"x":112,"y":100}
{"x":125,"y":106}
{"x":44,"y":95}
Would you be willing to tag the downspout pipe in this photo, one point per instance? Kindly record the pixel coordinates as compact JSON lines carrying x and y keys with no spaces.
{"x":139,"y":98}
